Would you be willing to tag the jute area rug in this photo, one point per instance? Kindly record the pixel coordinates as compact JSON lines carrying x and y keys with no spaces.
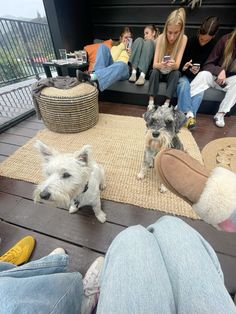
{"x":118,"y":144}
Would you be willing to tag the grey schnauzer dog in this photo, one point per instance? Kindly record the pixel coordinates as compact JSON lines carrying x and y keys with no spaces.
{"x":71,"y":180}
{"x":163,"y":125}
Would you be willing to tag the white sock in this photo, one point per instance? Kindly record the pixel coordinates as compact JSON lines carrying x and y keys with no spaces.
{"x":189,"y":114}
{"x":151,"y":102}
{"x":134,"y":71}
{"x":220,"y":114}
{"x":143,"y":74}
{"x":166,"y":103}
{"x":93,"y":77}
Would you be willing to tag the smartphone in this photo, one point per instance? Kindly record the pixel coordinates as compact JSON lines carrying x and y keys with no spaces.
{"x":129,"y":43}
{"x":196,"y":65}
{"x":166,"y":58}
{"x":222,"y":85}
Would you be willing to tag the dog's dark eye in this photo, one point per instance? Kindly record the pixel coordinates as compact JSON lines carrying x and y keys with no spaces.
{"x":151,"y":121}
{"x":168,"y":122}
{"x":66,"y":175}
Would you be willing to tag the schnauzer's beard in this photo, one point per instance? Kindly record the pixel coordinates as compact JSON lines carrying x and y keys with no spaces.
{"x":156,"y":143}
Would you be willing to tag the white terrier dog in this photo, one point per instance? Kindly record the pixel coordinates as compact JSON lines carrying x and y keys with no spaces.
{"x":71,"y":180}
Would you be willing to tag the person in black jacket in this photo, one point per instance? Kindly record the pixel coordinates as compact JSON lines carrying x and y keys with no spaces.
{"x":196,"y":53}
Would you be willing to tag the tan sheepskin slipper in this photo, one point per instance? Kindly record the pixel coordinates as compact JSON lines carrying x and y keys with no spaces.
{"x":212,"y":194}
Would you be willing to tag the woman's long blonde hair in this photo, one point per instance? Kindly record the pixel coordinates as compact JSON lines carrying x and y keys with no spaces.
{"x":177,"y":17}
{"x":229,"y":48}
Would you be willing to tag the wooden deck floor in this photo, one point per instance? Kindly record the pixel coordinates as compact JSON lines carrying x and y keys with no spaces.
{"x":81,"y":234}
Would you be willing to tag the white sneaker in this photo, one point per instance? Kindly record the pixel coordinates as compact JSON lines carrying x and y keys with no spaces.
{"x":219,"y":120}
{"x":91,"y":286}
{"x":166,"y":105}
{"x":58,"y":250}
{"x":151,"y":105}
{"x":133,"y":78}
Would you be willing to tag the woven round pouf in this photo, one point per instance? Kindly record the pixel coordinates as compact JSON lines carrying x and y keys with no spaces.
{"x":69,"y":110}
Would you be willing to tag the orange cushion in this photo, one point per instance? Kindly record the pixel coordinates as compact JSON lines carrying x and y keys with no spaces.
{"x":92,"y":52}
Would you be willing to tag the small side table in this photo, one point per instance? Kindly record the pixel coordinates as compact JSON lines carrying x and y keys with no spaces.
{"x":64,"y":69}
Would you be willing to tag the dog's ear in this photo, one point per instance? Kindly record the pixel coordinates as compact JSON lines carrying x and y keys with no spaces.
{"x":84,"y":154}
{"x":46,"y":151}
{"x":148,"y":115}
{"x":180,"y":119}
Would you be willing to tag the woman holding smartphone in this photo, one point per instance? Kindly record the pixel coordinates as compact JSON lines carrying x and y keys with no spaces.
{"x":195,"y":55}
{"x":111,"y":65}
{"x":168,"y":55}
{"x":219,"y":72}
{"x":142,"y":53}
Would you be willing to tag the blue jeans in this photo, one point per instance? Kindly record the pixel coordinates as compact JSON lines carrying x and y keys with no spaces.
{"x":40,"y":287}
{"x":166,"y":268}
{"x":185,"y":101}
{"x":108,"y":71}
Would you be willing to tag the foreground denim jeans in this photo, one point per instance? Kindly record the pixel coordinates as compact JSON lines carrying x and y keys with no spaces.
{"x":187,"y":103}
{"x":166,"y":268}
{"x":40,"y":287}
{"x":108,"y":71}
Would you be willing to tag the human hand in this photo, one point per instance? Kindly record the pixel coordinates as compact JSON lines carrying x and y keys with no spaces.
{"x":125,"y":41}
{"x":221,"y":78}
{"x":195,"y":68}
{"x":163,"y":65}
{"x":187,"y":65}
{"x":170,"y":63}
{"x":129,"y":50}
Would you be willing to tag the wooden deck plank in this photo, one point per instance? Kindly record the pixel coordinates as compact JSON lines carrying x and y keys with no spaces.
{"x":31,"y":125}
{"x":128,"y":215}
{"x":14,"y":139}
{"x":7,"y":149}
{"x":228,"y":267}
{"x":2,"y":158}
{"x":78,"y":229}
{"x":80,"y":258}
{"x":35,"y":119}
{"x":22,"y":131}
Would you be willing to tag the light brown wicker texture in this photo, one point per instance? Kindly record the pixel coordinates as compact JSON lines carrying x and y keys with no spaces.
{"x":220,"y":153}
{"x":69,"y":110}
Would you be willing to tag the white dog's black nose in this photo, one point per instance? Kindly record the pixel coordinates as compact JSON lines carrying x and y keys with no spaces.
{"x":155,"y":134}
{"x":45,"y":195}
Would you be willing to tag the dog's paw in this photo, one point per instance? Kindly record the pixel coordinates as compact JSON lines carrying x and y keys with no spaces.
{"x":162,"y":188}
{"x":140,"y":175}
{"x":101,"y":217}
{"x":73,"y":209}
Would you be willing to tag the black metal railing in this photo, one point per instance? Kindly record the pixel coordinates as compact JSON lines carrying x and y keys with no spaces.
{"x":24,"y":46}
{"x":15,"y":106}
{"x":15,"y":101}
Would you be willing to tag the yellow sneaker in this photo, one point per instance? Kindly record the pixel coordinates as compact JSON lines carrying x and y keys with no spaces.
{"x":20,"y":252}
{"x":191,"y":123}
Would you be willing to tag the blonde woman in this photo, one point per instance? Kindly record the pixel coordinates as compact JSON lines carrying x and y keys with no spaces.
{"x":142,"y":54}
{"x":168,"y":55}
{"x":219,"y":72}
